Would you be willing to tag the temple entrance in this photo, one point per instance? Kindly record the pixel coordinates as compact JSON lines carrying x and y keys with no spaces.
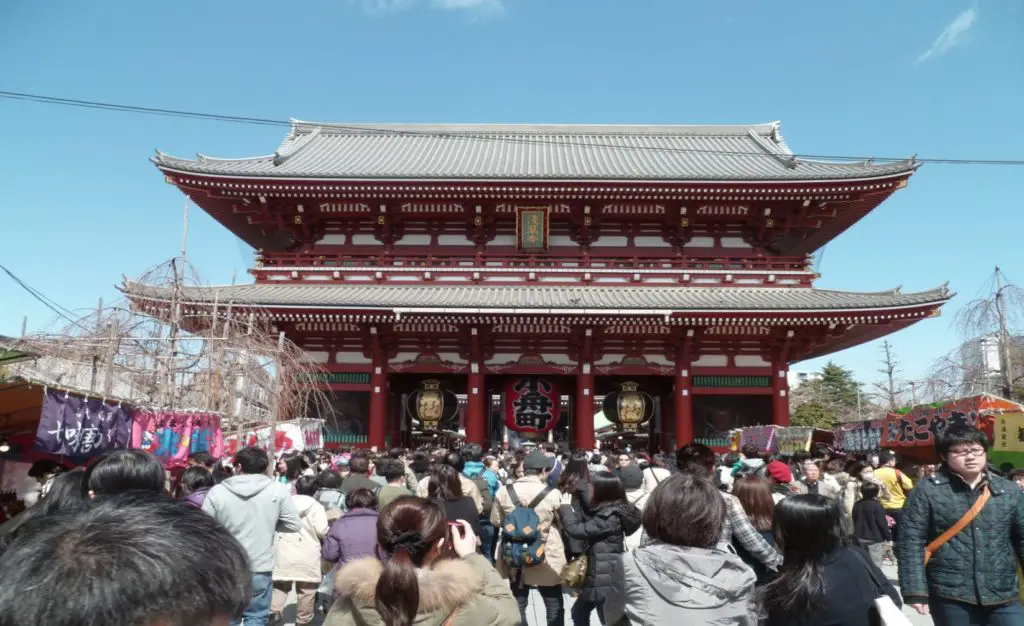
{"x":715,"y":415}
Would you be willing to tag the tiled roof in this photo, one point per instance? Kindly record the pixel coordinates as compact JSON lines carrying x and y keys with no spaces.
{"x":537,"y":152}
{"x":535,"y":298}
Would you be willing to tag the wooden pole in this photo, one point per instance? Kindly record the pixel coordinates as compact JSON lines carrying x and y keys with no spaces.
{"x":108,"y":374}
{"x":276,"y":406}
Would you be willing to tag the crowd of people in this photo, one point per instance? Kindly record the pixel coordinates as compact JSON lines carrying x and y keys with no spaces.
{"x":462,"y":537}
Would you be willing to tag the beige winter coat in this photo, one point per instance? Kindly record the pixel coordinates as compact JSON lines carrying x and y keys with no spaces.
{"x":298,"y":554}
{"x":527,"y":488}
{"x":468,"y":590}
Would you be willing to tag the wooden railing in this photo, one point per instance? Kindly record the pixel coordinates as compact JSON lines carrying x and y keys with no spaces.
{"x":284,"y":260}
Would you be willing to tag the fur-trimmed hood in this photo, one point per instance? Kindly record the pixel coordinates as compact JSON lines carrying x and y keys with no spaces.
{"x":449,"y":584}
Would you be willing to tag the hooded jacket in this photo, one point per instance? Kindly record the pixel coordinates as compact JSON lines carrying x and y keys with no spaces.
{"x":468,"y":590}
{"x":253,"y":507}
{"x":666,"y":584}
{"x":197,"y":497}
{"x":298,"y":554}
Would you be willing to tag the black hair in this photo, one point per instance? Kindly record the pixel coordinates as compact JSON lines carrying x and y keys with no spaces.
{"x":695,"y":455}
{"x":455,"y":460}
{"x":202,"y":458}
{"x":252,"y":460}
{"x":869,"y":490}
{"x":359,"y":465}
{"x":607,"y":490}
{"x":472,"y":452}
{"x":195,"y":478}
{"x":328,"y":479}
{"x":305,"y":486}
{"x":43,"y":467}
{"x":578,"y":468}
{"x":123,"y":558}
{"x":220,"y":473}
{"x":64,"y":494}
{"x":361,"y":499}
{"x":124,"y":470}
{"x":396,"y":453}
{"x":391,"y":469}
{"x":808,"y":528}
{"x":295,"y":466}
{"x":957,"y":435}
{"x":750,"y":451}
{"x":685,"y":510}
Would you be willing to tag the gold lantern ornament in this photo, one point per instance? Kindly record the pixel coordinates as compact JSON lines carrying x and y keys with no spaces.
{"x":629,"y":407}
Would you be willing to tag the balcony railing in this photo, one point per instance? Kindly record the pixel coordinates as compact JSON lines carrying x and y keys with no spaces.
{"x":290,"y":260}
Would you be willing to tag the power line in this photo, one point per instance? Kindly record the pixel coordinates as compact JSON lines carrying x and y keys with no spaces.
{"x":47,"y":302}
{"x":367,"y":129}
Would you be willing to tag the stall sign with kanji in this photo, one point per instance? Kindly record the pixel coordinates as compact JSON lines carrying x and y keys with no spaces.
{"x":531,"y":404}
{"x":862,"y":437}
{"x":922,"y":425}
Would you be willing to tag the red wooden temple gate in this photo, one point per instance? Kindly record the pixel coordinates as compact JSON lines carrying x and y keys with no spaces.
{"x":679,"y":256}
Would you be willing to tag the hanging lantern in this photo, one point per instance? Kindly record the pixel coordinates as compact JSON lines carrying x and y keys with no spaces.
{"x":532,"y":405}
{"x":629,"y":407}
{"x":431,"y":407}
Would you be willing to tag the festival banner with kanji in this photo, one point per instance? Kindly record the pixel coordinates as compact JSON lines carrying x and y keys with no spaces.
{"x":171,"y":436}
{"x":860,"y":436}
{"x":791,"y":440}
{"x":74,"y":426}
{"x":1008,"y":433}
{"x":919,"y":426}
{"x":532,"y":404}
{"x":763,"y":437}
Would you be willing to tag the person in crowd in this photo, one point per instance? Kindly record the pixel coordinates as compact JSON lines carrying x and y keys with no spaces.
{"x":550,"y":450}
{"x":823,"y":579}
{"x":396,"y":474}
{"x":359,"y":477}
{"x":725,"y":472}
{"x":780,"y":479}
{"x":755,"y":496}
{"x":897,"y":486}
{"x":869,"y":524}
{"x":329,"y":494}
{"x":487,"y":483}
{"x":814,"y":481}
{"x":354,"y":535}
{"x":289,"y":468}
{"x":1016,"y":475}
{"x":492,"y":464}
{"x":415,"y":584}
{"x":515,"y":470}
{"x":575,"y":483}
{"x":446,"y":488}
{"x":700,"y":459}
{"x":633,"y":484}
{"x":64,"y":493}
{"x":401,"y":455}
{"x":124,"y":560}
{"x":751,"y":462}
{"x":253,"y":507}
{"x":420,"y":466}
{"x":546,"y":577}
{"x":603,"y":531}
{"x":343,"y":466}
{"x":196,"y":482}
{"x":39,"y":476}
{"x":121,"y":471}
{"x":656,"y":472}
{"x":222,"y":470}
{"x":971,"y":576}
{"x":203,"y":459}
{"x":852,"y":490}
{"x":298,"y":557}
{"x":469,"y":488}
{"x":682,"y":576}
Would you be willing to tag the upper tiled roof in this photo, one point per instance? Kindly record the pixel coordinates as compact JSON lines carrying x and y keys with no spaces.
{"x":533,"y":152}
{"x":534,"y":298}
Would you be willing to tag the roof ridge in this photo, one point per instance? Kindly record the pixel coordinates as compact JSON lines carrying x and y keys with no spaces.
{"x":763,"y":128}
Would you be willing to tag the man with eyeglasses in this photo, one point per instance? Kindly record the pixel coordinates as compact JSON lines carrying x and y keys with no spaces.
{"x":971,"y":577}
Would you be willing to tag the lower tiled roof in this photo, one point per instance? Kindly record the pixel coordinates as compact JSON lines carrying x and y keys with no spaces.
{"x":528,"y":297}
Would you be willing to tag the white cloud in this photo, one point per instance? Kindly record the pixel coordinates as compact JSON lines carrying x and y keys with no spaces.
{"x":471,"y":5}
{"x":951,"y":35}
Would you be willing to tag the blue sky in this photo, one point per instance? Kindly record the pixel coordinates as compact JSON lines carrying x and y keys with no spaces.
{"x":82,"y":206}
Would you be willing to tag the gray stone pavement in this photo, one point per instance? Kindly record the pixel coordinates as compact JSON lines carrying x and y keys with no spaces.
{"x":535,"y":613}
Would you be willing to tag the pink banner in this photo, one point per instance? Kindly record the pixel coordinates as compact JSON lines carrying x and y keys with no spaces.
{"x":172,"y":436}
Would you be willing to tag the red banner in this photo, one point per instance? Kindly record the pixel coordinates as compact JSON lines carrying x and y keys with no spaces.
{"x":532,"y":404}
{"x":919,"y":425}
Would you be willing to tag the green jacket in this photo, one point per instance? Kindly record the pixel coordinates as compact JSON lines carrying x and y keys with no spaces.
{"x":979,"y":565}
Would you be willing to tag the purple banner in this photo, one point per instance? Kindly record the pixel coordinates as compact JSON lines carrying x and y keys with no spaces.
{"x":81,"y":427}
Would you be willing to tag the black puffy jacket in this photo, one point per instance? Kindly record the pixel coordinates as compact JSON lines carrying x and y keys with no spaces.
{"x":604,"y":531}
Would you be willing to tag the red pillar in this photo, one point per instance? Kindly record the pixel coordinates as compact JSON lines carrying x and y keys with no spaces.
{"x":780,"y":395}
{"x":476,"y":407}
{"x":378,"y":395}
{"x":583,"y":409}
{"x":682,"y":388}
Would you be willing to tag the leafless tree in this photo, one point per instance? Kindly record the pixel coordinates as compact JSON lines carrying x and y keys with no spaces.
{"x":889,"y":390}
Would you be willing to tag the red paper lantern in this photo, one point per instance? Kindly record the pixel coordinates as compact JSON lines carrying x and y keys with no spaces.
{"x":532,"y":404}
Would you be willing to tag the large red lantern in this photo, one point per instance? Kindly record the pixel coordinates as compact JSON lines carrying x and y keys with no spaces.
{"x":532,"y":404}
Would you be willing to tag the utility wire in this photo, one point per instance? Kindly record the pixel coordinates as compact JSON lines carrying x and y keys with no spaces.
{"x":369,"y":129}
{"x":47,"y":302}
